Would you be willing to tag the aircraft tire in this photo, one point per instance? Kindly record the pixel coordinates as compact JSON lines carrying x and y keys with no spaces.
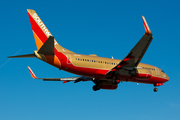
{"x":155,"y":89}
{"x":96,"y":87}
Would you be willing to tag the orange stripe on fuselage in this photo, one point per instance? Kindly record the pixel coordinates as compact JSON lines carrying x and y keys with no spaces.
{"x":53,"y":60}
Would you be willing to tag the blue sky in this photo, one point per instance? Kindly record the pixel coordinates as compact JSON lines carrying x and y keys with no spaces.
{"x":103,"y":27}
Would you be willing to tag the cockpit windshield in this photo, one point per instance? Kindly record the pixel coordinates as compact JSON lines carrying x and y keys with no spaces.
{"x":162,"y":71}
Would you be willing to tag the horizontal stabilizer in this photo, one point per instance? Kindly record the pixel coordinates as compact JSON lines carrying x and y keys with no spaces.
{"x":48,"y":47}
{"x":67,"y":79}
{"x":23,"y":56}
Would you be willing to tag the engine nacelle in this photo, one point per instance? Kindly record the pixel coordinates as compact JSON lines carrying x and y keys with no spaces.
{"x":142,"y":74}
{"x":108,"y":85}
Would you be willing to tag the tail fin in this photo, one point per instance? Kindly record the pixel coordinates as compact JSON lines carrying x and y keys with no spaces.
{"x":41,"y":32}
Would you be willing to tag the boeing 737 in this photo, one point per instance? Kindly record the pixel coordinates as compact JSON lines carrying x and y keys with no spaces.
{"x":106,"y":73}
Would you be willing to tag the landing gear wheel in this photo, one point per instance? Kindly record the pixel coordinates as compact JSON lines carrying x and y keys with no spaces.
{"x":155,"y":89}
{"x":96,"y":87}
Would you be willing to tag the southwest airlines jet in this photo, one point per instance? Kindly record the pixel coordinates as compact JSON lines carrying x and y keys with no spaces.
{"x":106,"y":73}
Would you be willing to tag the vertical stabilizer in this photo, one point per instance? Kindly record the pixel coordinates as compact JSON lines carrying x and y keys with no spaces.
{"x":41,"y":32}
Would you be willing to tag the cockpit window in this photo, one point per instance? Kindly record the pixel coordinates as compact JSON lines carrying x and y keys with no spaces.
{"x":162,"y":71}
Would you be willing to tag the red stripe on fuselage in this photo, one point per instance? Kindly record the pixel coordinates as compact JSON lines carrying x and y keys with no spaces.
{"x":155,"y":79}
{"x":91,"y":72}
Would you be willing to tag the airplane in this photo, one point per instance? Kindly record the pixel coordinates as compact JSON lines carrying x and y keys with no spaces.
{"x":106,"y":73}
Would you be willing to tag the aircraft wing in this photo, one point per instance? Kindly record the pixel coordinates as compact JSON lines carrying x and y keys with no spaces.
{"x":135,"y":55}
{"x":68,"y":79}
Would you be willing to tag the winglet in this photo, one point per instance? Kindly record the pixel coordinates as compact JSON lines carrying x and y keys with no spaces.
{"x":146,"y":27}
{"x":32,"y":74}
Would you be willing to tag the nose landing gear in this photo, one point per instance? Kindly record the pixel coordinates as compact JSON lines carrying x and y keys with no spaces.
{"x":155,"y":89}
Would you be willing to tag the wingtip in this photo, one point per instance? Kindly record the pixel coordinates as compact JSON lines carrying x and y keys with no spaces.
{"x":32,"y":73}
{"x":146,"y":27}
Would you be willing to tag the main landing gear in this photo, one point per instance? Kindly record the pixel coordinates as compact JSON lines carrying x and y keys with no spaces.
{"x":115,"y":81}
{"x":97,"y":86}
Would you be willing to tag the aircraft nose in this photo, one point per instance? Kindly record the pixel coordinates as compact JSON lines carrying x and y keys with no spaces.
{"x":167,"y":77}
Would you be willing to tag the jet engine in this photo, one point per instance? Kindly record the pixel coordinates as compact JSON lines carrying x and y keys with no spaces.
{"x":104,"y":85}
{"x":108,"y":85}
